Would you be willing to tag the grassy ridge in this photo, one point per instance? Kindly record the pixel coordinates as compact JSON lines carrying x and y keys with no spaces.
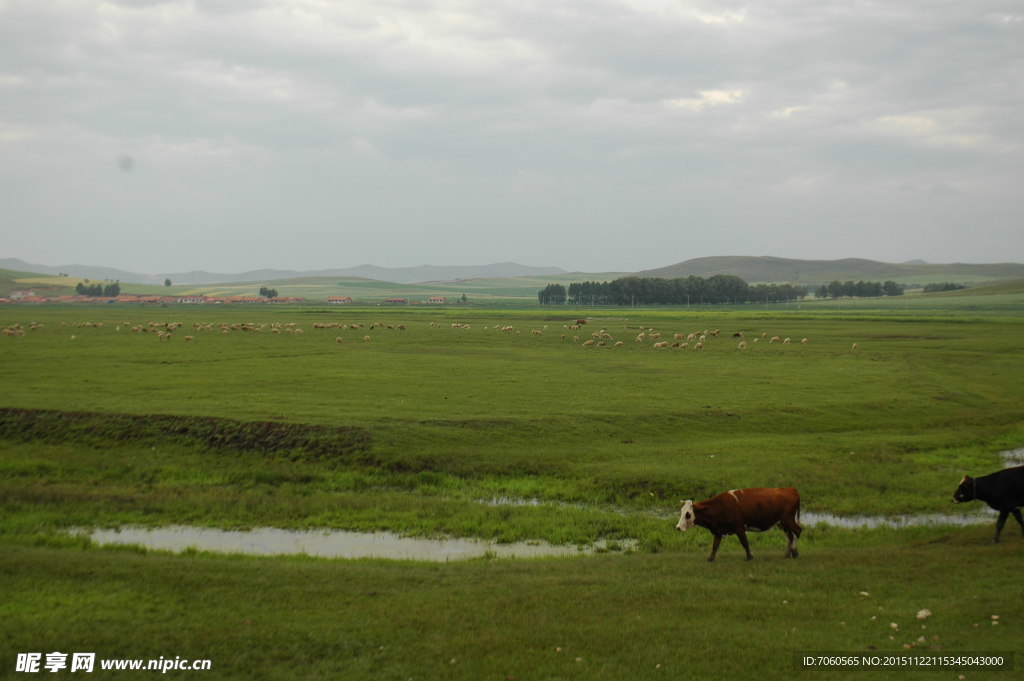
{"x":85,"y":428}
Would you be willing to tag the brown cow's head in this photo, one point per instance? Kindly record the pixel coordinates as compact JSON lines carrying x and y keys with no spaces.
{"x":687,"y":517}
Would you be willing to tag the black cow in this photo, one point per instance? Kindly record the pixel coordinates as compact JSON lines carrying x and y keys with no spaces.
{"x":1003,"y":491}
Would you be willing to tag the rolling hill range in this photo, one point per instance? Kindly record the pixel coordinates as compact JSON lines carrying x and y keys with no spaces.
{"x":506,"y":281}
{"x":756,"y":270}
{"x":397,"y":275}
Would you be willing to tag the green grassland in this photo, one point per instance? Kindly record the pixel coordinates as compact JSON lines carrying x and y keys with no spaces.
{"x":11,"y":280}
{"x":603,"y":441}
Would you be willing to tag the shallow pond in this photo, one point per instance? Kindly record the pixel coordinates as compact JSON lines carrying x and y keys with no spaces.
{"x":979,"y":515}
{"x":1013,"y":457}
{"x":327,"y":543}
{"x":342,"y":544}
{"x":983,"y":516}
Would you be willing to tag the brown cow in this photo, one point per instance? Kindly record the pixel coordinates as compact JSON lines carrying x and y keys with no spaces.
{"x":737,"y":511}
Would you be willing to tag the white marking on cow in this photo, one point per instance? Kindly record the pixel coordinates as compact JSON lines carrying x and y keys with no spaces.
{"x":686,"y":516}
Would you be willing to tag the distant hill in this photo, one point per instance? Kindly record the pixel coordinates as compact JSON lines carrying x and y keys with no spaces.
{"x":503,"y":279}
{"x":77,"y":271}
{"x":765,"y":269}
{"x":398,"y":275}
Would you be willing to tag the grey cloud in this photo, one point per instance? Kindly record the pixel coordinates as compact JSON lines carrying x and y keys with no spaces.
{"x":766,"y":126}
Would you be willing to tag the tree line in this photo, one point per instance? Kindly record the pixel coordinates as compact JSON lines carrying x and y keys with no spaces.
{"x":944,"y":286}
{"x":99,"y":290}
{"x":716,"y":290}
{"x":858,"y":289}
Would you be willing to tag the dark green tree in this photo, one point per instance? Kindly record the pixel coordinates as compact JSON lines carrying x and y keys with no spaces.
{"x":552,"y":294}
{"x":944,"y":286}
{"x":891,"y":288}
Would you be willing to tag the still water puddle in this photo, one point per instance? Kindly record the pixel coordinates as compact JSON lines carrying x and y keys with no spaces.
{"x":810,"y":519}
{"x":1013,"y":457}
{"x":269,"y":541}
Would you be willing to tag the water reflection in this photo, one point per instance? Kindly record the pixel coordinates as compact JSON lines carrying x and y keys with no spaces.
{"x":342,"y":544}
{"x":326,"y":544}
{"x":810,"y":519}
{"x":1013,"y":457}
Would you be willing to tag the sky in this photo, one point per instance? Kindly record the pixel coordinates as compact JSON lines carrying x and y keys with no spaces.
{"x":591,"y":135}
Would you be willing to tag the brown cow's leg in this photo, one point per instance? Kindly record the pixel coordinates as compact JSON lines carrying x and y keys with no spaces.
{"x":792,"y":531}
{"x":714,"y":547}
{"x":743,"y":540}
{"x":792,"y":552}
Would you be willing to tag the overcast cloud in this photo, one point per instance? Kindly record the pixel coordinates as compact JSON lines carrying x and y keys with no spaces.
{"x":593,"y":135}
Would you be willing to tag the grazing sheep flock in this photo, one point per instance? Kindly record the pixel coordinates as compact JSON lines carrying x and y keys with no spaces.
{"x":640,"y":335}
